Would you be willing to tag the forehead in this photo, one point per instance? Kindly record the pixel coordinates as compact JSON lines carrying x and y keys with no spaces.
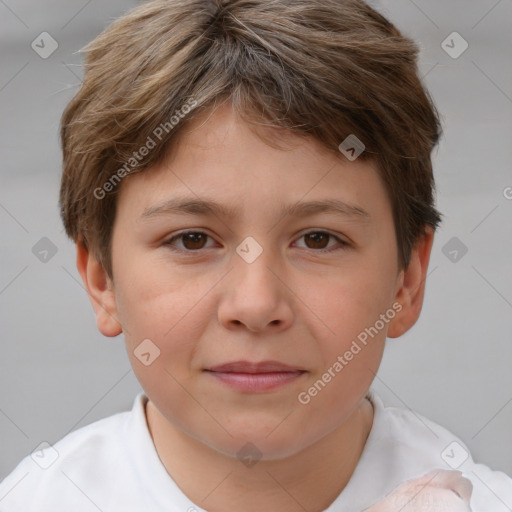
{"x":220,"y":164}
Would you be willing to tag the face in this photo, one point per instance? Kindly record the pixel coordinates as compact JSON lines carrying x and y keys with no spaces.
{"x":294,"y":268}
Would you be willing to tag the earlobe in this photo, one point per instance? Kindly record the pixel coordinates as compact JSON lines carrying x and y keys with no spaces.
{"x":100,"y":290}
{"x":411,"y":286}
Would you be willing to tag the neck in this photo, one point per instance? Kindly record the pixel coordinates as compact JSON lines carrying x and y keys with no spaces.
{"x":309,"y":480}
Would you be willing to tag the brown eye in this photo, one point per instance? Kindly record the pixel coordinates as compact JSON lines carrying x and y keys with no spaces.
{"x":318,"y":240}
{"x":191,"y":241}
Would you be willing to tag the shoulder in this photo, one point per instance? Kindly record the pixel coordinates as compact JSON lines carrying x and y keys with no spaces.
{"x":418,"y":445}
{"x":53,"y":474}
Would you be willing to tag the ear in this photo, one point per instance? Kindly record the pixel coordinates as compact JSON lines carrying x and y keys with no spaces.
{"x":411,"y":286}
{"x":100,"y":289}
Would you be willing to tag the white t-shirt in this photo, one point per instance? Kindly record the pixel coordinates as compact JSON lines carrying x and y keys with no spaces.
{"x":111,"y":465}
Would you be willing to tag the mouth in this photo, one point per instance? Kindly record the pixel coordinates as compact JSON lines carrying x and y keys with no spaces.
{"x":251,"y":377}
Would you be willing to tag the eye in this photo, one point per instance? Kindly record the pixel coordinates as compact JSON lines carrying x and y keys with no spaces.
{"x":196,"y":240}
{"x":317,"y":240}
{"x":192,"y":241}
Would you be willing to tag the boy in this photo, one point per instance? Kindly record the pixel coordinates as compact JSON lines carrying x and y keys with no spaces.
{"x":250,"y":190}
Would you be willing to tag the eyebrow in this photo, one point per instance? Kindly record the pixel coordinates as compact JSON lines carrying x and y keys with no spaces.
{"x":194,"y":206}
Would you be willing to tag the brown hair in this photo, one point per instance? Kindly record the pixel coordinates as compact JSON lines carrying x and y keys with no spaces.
{"x":323,"y":68}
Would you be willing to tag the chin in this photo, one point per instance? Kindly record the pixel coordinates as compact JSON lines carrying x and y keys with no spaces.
{"x":261,"y":444}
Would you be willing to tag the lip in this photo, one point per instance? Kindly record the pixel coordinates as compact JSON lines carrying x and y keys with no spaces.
{"x":251,"y":367}
{"x":251,"y":377}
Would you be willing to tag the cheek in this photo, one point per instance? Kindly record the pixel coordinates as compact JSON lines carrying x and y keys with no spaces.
{"x":351,"y":301}
{"x":168,"y":312}
{"x":155,"y":297}
{"x":157,"y":310}
{"x":355,"y":309}
{"x":351,"y":356}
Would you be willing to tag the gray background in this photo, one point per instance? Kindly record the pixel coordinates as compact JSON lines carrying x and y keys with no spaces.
{"x":58,"y":373}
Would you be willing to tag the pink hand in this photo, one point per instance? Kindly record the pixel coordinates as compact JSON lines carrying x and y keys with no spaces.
{"x":437,"y":491}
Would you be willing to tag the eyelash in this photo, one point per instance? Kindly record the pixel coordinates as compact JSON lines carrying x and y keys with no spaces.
{"x":344,"y":245}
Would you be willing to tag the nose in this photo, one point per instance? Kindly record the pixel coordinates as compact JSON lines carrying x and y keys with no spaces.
{"x":255,"y":296}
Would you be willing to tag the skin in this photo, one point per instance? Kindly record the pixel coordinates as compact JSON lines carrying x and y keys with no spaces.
{"x":294,"y":304}
{"x":439,"y":490}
